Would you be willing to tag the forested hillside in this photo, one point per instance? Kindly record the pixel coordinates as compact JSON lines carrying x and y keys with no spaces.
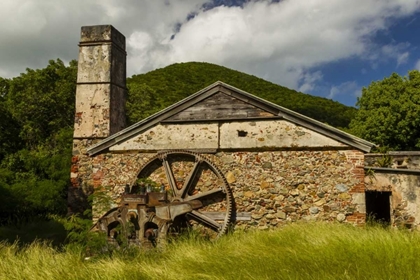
{"x":163,"y":87}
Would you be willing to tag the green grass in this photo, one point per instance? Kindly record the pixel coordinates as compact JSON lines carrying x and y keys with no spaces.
{"x":298,"y":251}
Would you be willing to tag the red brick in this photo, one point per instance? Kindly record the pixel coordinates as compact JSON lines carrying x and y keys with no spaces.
{"x":74,"y":168}
{"x":74,"y":159}
{"x":74,"y":182}
{"x":98,"y":175}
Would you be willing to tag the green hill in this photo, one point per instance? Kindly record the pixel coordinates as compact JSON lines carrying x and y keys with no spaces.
{"x":162,"y":87}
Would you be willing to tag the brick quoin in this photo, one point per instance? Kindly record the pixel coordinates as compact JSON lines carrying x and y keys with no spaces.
{"x":74,"y":159}
{"x":98,"y":175}
{"x":359,"y":188}
{"x":357,"y":218}
{"x":74,"y":168}
{"x":97,"y":183}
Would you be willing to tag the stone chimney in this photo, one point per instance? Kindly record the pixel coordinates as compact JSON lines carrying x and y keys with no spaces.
{"x":101,"y":87}
{"x":100,"y":106}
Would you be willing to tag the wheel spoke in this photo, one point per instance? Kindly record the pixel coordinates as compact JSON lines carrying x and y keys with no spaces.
{"x":170,"y":176}
{"x":190,"y":179}
{"x":203,"y":194}
{"x":203,"y":219}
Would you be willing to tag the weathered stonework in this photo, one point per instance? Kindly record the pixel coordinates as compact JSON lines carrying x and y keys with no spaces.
{"x":283,"y":186}
{"x":101,"y":88}
{"x":276,"y":187}
{"x":161,"y":137}
{"x":81,"y":177}
{"x":100,"y":101}
{"x":397,"y":173}
{"x":262,"y":134}
{"x":405,"y":196}
{"x":271,"y":134}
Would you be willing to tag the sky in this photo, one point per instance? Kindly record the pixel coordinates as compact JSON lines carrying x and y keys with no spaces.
{"x":328,"y":48}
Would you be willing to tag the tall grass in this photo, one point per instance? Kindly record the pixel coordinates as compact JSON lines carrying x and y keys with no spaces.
{"x":298,"y":251}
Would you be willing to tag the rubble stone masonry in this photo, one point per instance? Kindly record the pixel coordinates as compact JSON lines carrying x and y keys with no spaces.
{"x":275,"y":187}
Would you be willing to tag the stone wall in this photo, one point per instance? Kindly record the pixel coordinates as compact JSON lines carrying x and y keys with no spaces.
{"x":256,"y":134}
{"x":275,"y":187}
{"x":393,"y":159}
{"x":399,"y":174}
{"x":285,"y":186}
{"x":405,"y":194}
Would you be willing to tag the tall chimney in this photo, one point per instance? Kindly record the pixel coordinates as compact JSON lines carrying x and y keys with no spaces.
{"x":100,"y":105}
{"x":101,"y":83}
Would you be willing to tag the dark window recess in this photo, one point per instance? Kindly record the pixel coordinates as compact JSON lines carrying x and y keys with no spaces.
{"x":242,"y":133}
{"x":378,"y":207}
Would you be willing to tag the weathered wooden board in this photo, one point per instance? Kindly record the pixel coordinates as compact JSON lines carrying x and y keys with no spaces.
{"x":220,"y":106}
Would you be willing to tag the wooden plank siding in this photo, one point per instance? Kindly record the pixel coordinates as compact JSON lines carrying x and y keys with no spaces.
{"x":220,"y":106}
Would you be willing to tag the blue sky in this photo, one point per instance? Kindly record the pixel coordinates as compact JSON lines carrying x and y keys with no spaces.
{"x":329,"y":48}
{"x":355,"y":72}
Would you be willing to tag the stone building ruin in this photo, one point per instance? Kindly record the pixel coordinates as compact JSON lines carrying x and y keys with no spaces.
{"x":280,"y":165}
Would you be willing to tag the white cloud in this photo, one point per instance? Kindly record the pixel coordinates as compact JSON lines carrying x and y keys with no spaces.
{"x":309,"y":80}
{"x":402,"y":58}
{"x":281,"y":42}
{"x":397,"y":51}
{"x":350,"y":88}
{"x":38,"y":31}
{"x":417,"y":65}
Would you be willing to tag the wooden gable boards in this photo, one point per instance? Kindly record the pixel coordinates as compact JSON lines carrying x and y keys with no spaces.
{"x":219,"y":106}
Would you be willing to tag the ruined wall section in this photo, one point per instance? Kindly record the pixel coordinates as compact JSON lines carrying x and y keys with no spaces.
{"x":405,"y":195}
{"x":105,"y":172}
{"x":394,"y":159}
{"x":397,"y":172}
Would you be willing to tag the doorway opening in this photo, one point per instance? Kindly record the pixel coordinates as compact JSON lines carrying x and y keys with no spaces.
{"x":378,"y":207}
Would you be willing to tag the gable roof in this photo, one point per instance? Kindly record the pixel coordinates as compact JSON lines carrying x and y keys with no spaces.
{"x":264,"y":109}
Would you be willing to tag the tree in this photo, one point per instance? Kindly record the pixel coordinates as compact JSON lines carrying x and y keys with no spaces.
{"x":389,"y":112}
{"x":4,"y":87}
{"x":141,"y":102}
{"x":36,"y":128}
{"x":42,"y":100}
{"x":9,"y":132}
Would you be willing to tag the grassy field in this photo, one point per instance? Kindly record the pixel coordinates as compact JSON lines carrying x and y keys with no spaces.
{"x":298,"y":251}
